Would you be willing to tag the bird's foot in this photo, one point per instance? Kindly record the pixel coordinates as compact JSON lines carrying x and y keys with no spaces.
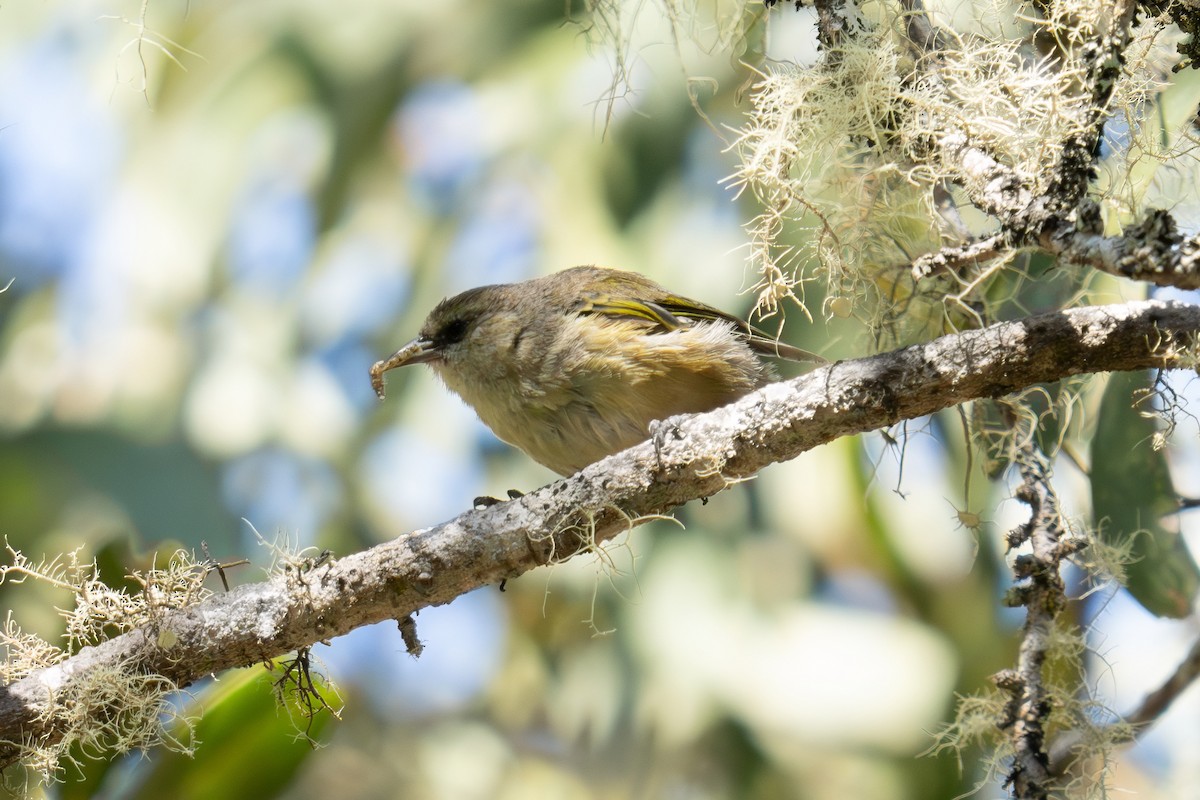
{"x":484,"y":501}
{"x":663,"y":431}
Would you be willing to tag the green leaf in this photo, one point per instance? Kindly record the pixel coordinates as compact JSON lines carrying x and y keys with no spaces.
{"x":1131,"y":493}
{"x":246,"y":746}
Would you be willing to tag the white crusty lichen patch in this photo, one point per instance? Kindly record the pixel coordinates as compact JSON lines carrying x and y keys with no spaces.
{"x":1093,"y":330}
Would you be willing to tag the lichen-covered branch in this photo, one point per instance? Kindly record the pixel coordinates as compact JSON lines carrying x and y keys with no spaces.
{"x":831,"y":23}
{"x":1049,"y":209}
{"x":690,"y":458}
{"x":1026,"y":205}
{"x":1187,"y":16}
{"x":901,"y":125}
{"x":1043,"y":595}
{"x":1152,"y":251}
{"x":1101,"y":59}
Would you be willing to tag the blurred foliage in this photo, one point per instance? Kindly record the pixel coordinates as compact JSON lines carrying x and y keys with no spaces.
{"x":217,"y":215}
{"x":1132,"y":495}
{"x":249,"y":746}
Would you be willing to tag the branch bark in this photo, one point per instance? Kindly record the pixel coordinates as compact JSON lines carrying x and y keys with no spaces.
{"x":691,"y":457}
{"x":1153,"y":250}
{"x":1043,"y":596}
{"x":1060,"y":220}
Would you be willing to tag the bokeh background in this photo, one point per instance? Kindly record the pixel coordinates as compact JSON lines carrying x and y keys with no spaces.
{"x":215,"y":215}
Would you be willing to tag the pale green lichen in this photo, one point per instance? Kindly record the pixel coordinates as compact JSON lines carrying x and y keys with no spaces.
{"x":106,"y":708}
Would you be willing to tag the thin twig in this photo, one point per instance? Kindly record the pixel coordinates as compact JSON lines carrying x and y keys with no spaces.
{"x":1065,"y":749}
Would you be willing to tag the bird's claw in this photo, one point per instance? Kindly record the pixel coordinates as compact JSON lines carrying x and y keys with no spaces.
{"x":663,"y":430}
{"x":485,"y":501}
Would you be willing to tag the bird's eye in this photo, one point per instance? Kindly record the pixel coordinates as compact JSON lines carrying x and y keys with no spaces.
{"x":452,"y":332}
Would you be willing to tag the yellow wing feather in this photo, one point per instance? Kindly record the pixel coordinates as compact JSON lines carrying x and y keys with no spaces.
{"x":670,"y":313}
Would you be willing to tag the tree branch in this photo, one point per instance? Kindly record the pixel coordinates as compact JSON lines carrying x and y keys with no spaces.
{"x":1065,"y":750}
{"x":691,"y":457}
{"x":1152,"y":251}
{"x":1043,"y":596}
{"x":1060,"y":219}
{"x":1158,"y":701}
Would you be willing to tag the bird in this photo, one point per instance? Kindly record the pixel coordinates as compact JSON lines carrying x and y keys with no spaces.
{"x":577,"y":365}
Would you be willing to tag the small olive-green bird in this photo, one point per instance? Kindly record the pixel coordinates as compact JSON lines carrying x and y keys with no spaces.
{"x":575,"y":366}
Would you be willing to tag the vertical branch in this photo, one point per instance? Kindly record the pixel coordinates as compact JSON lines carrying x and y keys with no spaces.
{"x":1041,"y":591}
{"x":1101,"y":60}
{"x":831,"y":25}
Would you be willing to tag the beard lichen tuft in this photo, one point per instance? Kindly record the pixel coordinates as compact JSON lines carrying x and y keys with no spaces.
{"x":105,"y":708}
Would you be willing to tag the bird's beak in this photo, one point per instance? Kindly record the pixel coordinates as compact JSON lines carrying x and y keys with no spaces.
{"x":418,"y":351}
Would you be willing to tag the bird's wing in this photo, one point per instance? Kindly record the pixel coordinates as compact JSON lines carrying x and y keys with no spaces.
{"x":625,"y":308}
{"x":670,"y":313}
